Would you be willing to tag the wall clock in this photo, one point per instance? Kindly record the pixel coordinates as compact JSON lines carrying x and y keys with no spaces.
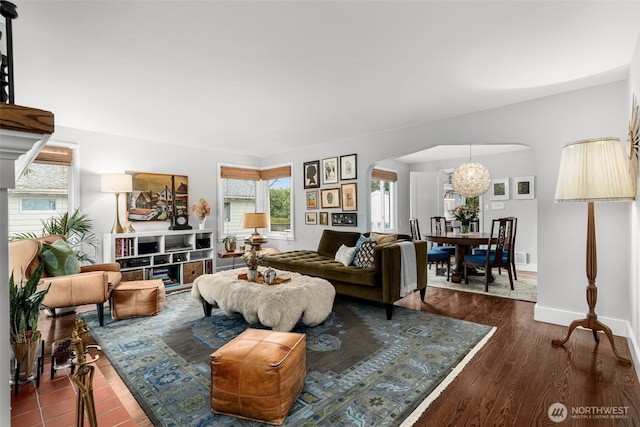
{"x":633,"y":142}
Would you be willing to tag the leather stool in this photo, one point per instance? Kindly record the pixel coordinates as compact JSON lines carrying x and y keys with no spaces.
{"x":258,"y":375}
{"x":137,"y":298}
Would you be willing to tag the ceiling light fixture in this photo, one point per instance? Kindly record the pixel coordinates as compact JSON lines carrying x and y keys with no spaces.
{"x":471,"y":179}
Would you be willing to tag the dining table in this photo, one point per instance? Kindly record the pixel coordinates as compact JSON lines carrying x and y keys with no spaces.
{"x":463,"y":243}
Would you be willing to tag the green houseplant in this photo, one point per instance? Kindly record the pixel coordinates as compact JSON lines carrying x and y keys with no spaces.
{"x":24,"y":310}
{"x":229,"y":242}
{"x":76,"y":227}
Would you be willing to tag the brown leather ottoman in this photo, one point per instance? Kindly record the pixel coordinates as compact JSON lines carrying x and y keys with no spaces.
{"x":137,"y":298}
{"x":258,"y":375}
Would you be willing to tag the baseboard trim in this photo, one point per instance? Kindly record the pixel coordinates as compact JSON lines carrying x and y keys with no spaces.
{"x":618,"y":326}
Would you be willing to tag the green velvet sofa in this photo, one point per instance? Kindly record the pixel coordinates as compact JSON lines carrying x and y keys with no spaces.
{"x":380,"y":284}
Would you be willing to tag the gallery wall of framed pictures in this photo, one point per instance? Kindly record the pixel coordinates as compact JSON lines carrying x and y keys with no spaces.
{"x":325,"y":189}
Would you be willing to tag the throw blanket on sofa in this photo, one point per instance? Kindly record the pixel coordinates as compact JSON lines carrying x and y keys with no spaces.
{"x":408,"y":272}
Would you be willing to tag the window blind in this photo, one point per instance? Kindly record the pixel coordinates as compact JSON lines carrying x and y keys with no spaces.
{"x":384,"y":175}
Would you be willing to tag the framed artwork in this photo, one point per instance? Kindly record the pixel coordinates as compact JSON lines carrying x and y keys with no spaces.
{"x":311,"y":218}
{"x":345,"y":219}
{"x":348,"y":167}
{"x":154,"y":195}
{"x":312,"y":199}
{"x":500,"y":189}
{"x":524,"y":187}
{"x":324,"y":218}
{"x":330,"y":198}
{"x":330,"y":170}
{"x":312,"y":174}
{"x":349,"y":196}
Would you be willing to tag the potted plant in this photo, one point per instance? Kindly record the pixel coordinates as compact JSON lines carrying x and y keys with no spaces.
{"x":229,"y":242}
{"x":24,"y":310}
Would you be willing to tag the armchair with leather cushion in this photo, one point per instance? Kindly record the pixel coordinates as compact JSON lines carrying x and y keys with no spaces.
{"x":91,"y":285}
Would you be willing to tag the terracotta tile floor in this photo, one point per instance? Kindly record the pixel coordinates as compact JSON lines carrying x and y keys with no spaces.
{"x":53,"y":403}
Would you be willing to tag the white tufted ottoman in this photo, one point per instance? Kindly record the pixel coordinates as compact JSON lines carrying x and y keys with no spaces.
{"x":305,"y":298}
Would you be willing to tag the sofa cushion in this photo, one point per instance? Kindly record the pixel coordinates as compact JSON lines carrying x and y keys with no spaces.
{"x":312,"y":264}
{"x":59,"y":259}
{"x":359,"y":243}
{"x":384,"y":237}
{"x":345,"y":255}
{"x":331,"y":241}
{"x":366,"y":255}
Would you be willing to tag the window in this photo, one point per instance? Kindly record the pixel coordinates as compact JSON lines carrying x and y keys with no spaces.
{"x":33,"y":204}
{"x":44,"y":190}
{"x":252,"y":190}
{"x":383,"y":200}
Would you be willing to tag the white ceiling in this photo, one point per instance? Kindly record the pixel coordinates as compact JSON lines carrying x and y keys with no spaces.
{"x":443,"y":152}
{"x":271,"y":76}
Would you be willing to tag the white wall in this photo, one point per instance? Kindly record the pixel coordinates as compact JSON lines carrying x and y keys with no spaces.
{"x":634,"y":282}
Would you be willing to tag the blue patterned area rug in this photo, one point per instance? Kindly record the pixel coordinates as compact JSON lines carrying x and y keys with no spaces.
{"x":361,"y":368}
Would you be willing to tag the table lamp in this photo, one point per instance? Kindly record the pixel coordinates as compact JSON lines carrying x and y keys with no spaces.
{"x":255,"y":220}
{"x":593,"y":170}
{"x":116,"y":183}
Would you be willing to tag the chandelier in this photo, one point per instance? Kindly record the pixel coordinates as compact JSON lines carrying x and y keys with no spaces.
{"x":471,"y":179}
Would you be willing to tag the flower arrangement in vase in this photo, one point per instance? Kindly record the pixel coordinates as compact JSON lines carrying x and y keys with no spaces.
{"x":466,"y":214}
{"x":253,"y":260}
{"x":202,"y":210}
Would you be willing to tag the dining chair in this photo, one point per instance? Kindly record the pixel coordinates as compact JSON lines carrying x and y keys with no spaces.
{"x":495,"y":256}
{"x":439,"y":227}
{"x":434,"y":254}
{"x":509,"y":250}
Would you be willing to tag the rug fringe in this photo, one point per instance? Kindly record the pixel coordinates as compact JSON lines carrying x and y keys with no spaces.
{"x":415,"y":415}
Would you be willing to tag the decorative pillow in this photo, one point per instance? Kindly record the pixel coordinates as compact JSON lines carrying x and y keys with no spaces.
{"x":59,"y":259}
{"x":359,"y":243}
{"x":366,"y":254}
{"x":345,"y":255}
{"x":384,"y":238}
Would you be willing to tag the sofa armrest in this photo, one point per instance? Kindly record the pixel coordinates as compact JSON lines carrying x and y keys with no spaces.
{"x":109,"y":266}
{"x":388,"y":263}
{"x":76,"y":289}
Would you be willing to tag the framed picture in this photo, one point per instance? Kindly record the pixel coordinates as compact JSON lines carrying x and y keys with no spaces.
{"x":349,"y":196}
{"x":348,"y":167}
{"x":311,"y":218}
{"x":312,"y":174}
{"x":154,"y":195}
{"x":500,"y":189}
{"x":330,"y":170}
{"x":524,"y":187}
{"x":345,"y":219}
{"x":312,"y":199}
{"x":324,"y":218}
{"x":330,"y":198}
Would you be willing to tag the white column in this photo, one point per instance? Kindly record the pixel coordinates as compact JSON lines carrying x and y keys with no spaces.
{"x":12,"y":145}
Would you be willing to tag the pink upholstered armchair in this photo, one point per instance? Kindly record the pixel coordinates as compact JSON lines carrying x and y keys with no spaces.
{"x":92,"y":285}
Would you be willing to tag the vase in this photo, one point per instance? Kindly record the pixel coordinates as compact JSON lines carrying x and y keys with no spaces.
{"x":26,"y":354}
{"x":464,"y":228}
{"x":252,"y":275}
{"x":230,"y":246}
{"x":202,"y":219}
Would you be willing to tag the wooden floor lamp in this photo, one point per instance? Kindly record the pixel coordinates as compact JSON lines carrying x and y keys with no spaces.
{"x":590,"y":171}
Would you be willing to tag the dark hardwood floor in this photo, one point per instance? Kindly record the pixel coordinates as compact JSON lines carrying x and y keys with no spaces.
{"x":512,"y":381}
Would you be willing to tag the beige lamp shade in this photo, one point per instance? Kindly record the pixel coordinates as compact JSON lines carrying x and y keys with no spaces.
{"x":116,"y":183}
{"x":255,"y":220}
{"x":594,"y":170}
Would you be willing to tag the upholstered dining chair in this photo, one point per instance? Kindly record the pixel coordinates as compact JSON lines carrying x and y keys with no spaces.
{"x":439,"y":227}
{"x":510,"y":249}
{"x":495,"y":255}
{"x":434,"y":254}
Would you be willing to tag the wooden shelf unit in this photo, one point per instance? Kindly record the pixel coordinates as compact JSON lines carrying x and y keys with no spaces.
{"x":177,"y":257}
